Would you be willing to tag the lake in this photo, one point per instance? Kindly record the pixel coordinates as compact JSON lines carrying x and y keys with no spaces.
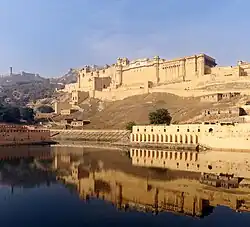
{"x":42,"y":186}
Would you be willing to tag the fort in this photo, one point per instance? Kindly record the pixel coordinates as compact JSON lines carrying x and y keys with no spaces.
{"x":129,"y":77}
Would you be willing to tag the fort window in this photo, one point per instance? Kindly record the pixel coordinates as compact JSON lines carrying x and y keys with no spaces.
{"x":145,"y":153}
{"x":138,"y":130}
{"x":188,"y":130}
{"x":162,"y":154}
{"x":145,"y":130}
{"x":209,"y":167}
{"x":151,"y":161}
{"x":177,"y":164}
{"x":164,"y":130}
{"x":148,"y":154}
{"x":166,"y":155}
{"x":210,"y":130}
{"x":187,"y":165}
{"x":175,"y":156}
{"x":140,"y":153}
{"x":180,"y":156}
{"x":153,"y":154}
{"x":198,"y":166}
{"x":170,"y":155}
{"x":199,"y":130}
{"x":152,"y":130}
{"x":164,"y":163}
{"x":178,"y":130}
{"x":157,"y":154}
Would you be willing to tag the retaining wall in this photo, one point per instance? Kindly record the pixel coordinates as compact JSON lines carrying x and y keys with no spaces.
{"x":113,"y":136}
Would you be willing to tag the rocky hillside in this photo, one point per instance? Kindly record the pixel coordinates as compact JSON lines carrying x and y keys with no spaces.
{"x":115,"y":115}
{"x":69,"y":77}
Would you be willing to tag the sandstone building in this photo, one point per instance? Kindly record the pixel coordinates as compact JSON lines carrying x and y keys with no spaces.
{"x":129,"y":77}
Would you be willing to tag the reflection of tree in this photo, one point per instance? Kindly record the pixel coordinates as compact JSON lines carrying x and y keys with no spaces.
{"x":25,"y":172}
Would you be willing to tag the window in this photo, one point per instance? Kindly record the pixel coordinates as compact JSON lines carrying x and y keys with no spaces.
{"x":138,"y":130}
{"x":152,"y":130}
{"x":188,"y":130}
{"x":199,"y":130}
{"x":178,"y":130}
{"x":164,"y":130}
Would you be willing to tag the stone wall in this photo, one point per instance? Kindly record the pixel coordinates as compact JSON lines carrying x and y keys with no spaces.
{"x":92,"y":135}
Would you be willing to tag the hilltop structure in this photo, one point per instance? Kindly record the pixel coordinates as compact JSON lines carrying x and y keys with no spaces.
{"x":126,"y":78}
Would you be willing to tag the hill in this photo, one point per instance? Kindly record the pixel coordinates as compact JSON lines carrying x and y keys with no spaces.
{"x":116,"y":114}
{"x":69,"y":77}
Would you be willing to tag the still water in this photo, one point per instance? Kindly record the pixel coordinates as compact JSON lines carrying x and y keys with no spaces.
{"x":93,"y":187}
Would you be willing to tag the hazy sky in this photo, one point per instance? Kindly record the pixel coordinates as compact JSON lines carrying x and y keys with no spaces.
{"x":51,"y":36}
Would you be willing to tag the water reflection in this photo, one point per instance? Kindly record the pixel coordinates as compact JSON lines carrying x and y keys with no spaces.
{"x":114,"y":177}
{"x":128,"y":181}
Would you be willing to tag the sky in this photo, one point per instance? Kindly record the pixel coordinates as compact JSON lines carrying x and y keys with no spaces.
{"x":51,"y":36}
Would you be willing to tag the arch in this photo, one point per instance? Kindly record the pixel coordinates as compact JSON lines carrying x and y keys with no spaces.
{"x":186,"y":139}
{"x":181,"y":139}
{"x":191,"y":139}
{"x":166,"y":138}
{"x":170,"y":154}
{"x":162,"y":138}
{"x":171,"y":138}
{"x":145,"y":153}
{"x":186,"y":155}
{"x":149,"y":138}
{"x":161,"y":154}
{"x":136,"y":137}
{"x":140,"y":152}
{"x":144,"y":138}
{"x":133,"y":137}
{"x":140,"y":136}
{"x":148,"y":153}
{"x":157,"y":137}
{"x":180,"y":155}
{"x":196,"y":139}
{"x":153,"y":138}
{"x":132,"y":152}
{"x":166,"y":154}
{"x":175,"y":139}
{"x":175,"y":155}
{"x":136,"y":153}
{"x":196,"y":156}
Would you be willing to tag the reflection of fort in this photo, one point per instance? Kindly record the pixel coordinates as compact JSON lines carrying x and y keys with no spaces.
{"x":129,"y":186}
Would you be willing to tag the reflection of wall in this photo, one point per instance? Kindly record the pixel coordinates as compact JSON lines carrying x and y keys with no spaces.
{"x":237,"y":163}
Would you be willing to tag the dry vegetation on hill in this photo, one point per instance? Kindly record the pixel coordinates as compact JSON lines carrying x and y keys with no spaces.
{"x":136,"y":108}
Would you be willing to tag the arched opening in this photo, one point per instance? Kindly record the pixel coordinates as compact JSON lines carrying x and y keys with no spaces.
{"x":191,"y":139}
{"x":166,"y":138}
{"x":180,"y":138}
{"x":210,"y":130}
{"x":209,"y":167}
{"x":175,"y":138}
{"x":162,"y":138}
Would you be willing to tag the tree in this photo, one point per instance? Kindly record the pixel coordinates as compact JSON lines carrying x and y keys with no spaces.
{"x":160,"y":116}
{"x":45,"y":109}
{"x":10,"y":114}
{"x":130,"y":125}
{"x":27,"y":114}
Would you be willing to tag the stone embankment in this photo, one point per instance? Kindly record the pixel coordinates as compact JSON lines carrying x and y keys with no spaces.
{"x":108,"y":136}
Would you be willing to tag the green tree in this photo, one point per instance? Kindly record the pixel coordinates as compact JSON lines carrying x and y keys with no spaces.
{"x":160,"y":116}
{"x":130,"y":125}
{"x":45,"y":109}
{"x":27,"y":114}
{"x":10,"y":114}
